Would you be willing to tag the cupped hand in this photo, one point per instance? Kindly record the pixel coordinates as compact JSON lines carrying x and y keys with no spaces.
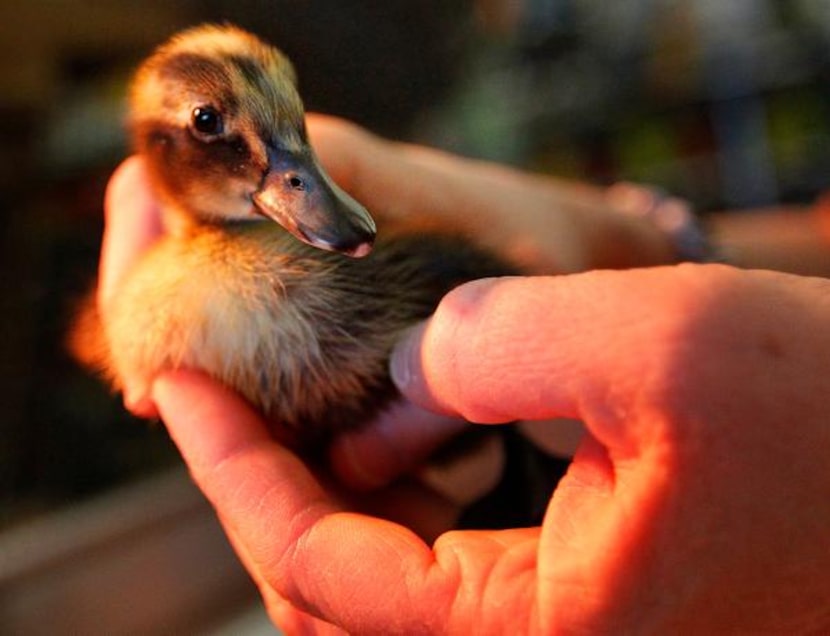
{"x":698,"y":504}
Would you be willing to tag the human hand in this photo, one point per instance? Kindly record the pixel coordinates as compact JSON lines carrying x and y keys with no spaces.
{"x":698,"y":504}
{"x":672,"y":479}
{"x":542,"y":224}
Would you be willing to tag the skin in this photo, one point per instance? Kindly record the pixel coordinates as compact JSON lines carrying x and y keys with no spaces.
{"x":697,"y":503}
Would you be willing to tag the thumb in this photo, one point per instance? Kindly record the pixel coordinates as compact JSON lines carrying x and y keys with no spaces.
{"x":704,"y":391}
{"x":585,"y":346}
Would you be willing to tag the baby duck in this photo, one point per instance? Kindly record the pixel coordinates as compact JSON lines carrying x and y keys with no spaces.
{"x":269,"y":277}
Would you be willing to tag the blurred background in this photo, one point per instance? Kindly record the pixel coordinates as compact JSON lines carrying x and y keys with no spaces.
{"x":725,"y":103}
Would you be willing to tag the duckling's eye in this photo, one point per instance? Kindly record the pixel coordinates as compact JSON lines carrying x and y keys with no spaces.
{"x":206,"y":120}
{"x":295,"y":183}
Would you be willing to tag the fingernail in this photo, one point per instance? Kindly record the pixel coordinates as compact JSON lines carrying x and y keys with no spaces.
{"x":405,"y":361}
{"x":406,"y":366}
{"x":407,"y":372}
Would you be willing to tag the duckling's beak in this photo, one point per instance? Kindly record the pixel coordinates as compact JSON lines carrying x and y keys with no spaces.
{"x":298,"y":194}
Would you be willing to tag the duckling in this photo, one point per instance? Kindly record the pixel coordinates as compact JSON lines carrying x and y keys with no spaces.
{"x":269,"y":277}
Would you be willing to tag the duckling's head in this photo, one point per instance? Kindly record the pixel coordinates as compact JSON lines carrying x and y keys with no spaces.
{"x":216,"y":113}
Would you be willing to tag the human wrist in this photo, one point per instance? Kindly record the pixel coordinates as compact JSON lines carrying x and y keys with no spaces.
{"x":615,"y":240}
{"x":681,"y":237}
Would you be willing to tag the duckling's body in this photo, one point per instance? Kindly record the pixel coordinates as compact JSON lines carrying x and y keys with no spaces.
{"x":304,"y":334}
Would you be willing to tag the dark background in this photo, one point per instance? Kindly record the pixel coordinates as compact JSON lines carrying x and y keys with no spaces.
{"x":724,"y":103}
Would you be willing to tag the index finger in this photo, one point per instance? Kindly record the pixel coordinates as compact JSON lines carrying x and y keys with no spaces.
{"x":595,"y":346}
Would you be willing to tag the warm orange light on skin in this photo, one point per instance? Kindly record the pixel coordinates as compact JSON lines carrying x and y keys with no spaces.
{"x":126,"y":236}
{"x":822,"y":212}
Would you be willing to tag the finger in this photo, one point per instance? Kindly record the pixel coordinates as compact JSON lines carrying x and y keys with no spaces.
{"x":293,"y":621}
{"x":587,"y":346}
{"x":388,"y":177}
{"x":399,"y":440}
{"x":404,"y":440}
{"x":469,"y":472}
{"x":133,"y":223}
{"x":216,"y":430}
{"x":283,"y":614}
{"x":361,"y":573}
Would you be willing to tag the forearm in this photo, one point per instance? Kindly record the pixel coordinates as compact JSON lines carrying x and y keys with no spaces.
{"x":788,"y":239}
{"x":793,"y":239}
